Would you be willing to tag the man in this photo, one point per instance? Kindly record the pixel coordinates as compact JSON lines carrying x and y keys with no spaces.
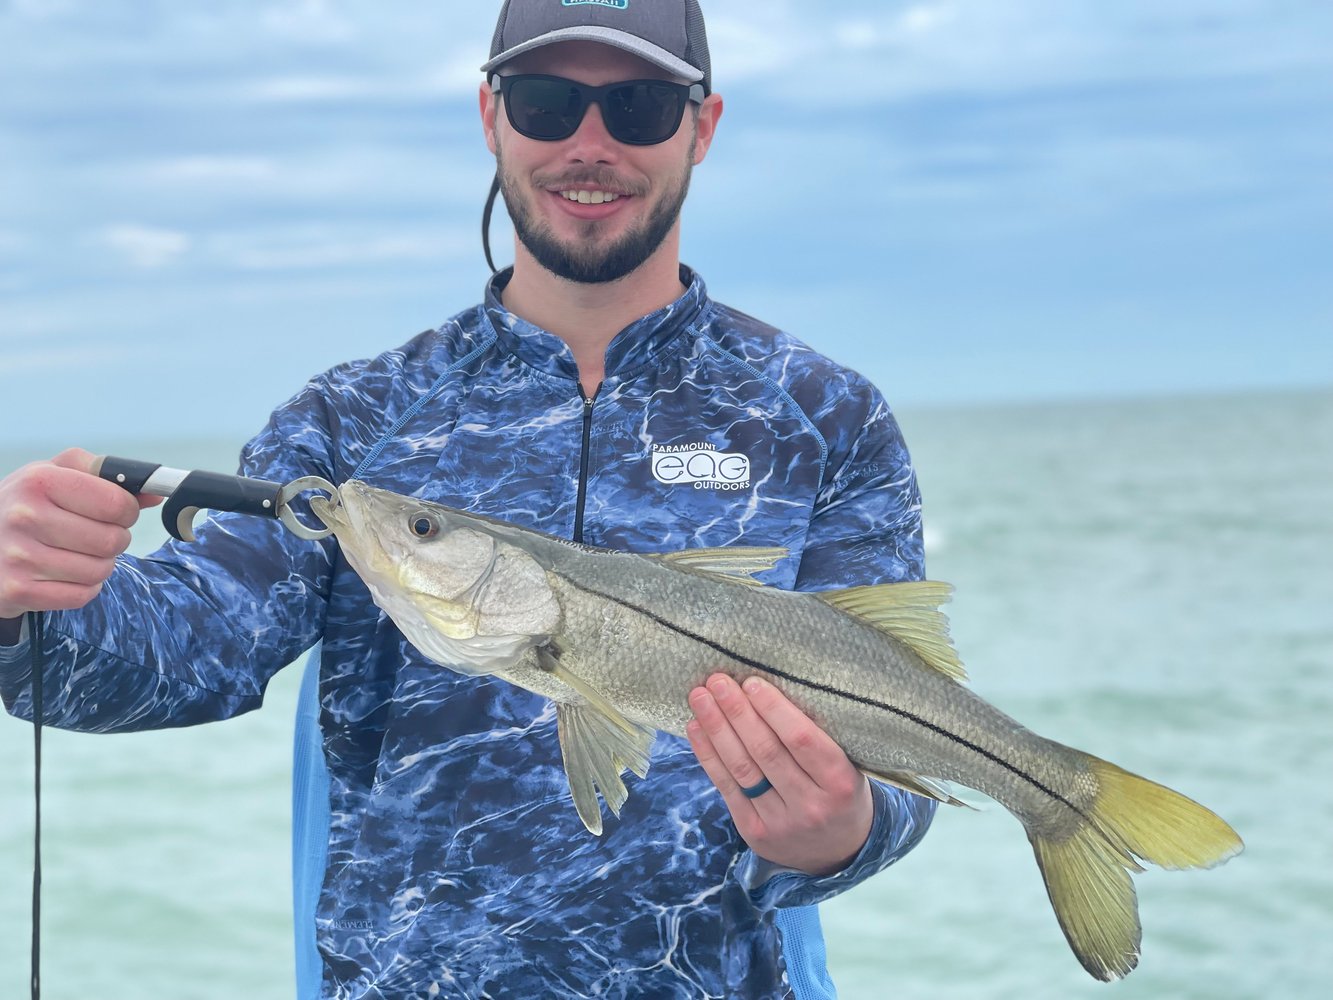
{"x":599,"y":394}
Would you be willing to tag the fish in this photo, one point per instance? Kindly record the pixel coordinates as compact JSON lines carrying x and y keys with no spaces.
{"x":617,"y":640}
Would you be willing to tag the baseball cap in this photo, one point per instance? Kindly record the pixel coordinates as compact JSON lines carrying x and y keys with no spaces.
{"x":667,"y":33}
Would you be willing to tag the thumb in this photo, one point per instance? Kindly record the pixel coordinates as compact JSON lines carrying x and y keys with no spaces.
{"x":78,"y":460}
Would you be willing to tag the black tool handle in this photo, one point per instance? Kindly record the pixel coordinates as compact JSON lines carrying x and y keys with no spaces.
{"x":188,"y":493}
{"x":212,"y":491}
{"x":127,"y":472}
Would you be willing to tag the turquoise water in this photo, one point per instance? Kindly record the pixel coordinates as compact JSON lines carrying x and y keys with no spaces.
{"x":1149,"y":580}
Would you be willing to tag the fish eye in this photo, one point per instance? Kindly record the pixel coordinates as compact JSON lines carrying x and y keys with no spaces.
{"x":423,"y":525}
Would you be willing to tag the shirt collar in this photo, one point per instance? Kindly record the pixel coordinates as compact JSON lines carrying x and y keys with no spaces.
{"x":631,"y":348}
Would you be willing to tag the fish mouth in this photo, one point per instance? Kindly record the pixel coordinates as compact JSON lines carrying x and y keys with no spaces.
{"x":349,"y":510}
{"x":331,"y":511}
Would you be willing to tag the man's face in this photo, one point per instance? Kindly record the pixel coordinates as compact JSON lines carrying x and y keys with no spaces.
{"x":588,"y":208}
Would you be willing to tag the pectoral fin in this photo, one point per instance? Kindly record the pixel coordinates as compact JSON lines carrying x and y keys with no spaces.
{"x":596,"y":750}
{"x":596,"y":741}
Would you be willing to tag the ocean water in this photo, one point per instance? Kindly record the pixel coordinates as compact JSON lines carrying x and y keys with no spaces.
{"x":1149,"y":580}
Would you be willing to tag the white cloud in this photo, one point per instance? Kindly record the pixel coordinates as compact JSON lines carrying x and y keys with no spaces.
{"x":36,"y":9}
{"x":142,"y":246}
{"x":309,"y":89}
{"x":307,"y":20}
{"x":456,"y":75}
{"x":338,"y":180}
{"x":925,"y":17}
{"x":1136,"y":168}
{"x":65,"y":359}
{"x":896,"y":50}
{"x":211,"y":169}
{"x":304,"y":151}
{"x":448,"y":80}
{"x":318,"y":249}
{"x":743,"y":47}
{"x":863,"y":33}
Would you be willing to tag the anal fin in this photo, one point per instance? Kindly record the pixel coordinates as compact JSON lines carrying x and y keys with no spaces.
{"x":917,"y":785}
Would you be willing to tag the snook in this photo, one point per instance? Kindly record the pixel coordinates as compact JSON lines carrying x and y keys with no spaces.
{"x":618,"y":640}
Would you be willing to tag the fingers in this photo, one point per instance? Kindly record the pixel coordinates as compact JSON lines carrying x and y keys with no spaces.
{"x":745,"y":745}
{"x":818,"y":813}
{"x":48,"y":580}
{"x":811,"y":749}
{"x":77,"y":460}
{"x":744,"y":809}
{"x":18,"y":596}
{"x":69,"y":532}
{"x":86,"y":496}
{"x":768,"y":736}
{"x":61,"y":529}
{"x":31,"y":493}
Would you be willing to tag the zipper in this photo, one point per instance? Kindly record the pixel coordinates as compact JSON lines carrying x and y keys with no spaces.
{"x":583,"y":461}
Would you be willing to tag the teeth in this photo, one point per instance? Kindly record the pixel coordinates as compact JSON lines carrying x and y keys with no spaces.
{"x":590,"y":197}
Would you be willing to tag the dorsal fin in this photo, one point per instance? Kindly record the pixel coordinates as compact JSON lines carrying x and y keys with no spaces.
{"x":734,"y":565}
{"x":910,"y":612}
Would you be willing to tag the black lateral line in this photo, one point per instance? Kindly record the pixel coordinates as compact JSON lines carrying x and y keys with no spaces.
{"x":836,"y":692}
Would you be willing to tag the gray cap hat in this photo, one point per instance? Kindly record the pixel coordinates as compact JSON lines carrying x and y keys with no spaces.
{"x":668,"y":33}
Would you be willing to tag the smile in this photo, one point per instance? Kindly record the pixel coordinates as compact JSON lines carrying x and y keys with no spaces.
{"x":589,"y":197}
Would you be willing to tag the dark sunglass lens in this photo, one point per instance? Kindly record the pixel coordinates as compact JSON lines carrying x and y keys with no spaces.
{"x":544,"y":109}
{"x":643,"y":113}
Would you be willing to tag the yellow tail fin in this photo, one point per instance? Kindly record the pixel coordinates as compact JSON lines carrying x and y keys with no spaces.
{"x":1087,"y":873}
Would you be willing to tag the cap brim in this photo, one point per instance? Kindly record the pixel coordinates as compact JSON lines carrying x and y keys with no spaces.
{"x":655,"y":54}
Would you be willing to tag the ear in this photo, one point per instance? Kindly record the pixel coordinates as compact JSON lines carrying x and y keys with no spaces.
{"x":706,"y":125}
{"x":490,"y":104}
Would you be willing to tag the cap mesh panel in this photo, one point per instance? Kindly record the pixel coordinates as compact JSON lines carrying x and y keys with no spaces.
{"x":696,"y":42}
{"x":497,"y":41}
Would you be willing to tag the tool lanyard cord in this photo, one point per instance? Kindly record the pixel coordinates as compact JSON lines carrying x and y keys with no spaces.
{"x":35,"y":637}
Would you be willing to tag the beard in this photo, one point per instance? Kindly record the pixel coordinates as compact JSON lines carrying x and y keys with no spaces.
{"x":587,"y":259}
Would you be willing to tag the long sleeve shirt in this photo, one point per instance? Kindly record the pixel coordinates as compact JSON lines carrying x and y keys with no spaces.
{"x":455,"y":864}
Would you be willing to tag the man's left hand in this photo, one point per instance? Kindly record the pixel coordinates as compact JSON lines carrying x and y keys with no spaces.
{"x":817,"y":815}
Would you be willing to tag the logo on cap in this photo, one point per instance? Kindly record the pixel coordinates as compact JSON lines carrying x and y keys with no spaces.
{"x":617,"y":4}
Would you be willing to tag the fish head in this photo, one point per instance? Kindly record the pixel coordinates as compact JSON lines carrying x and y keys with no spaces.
{"x":460,"y":592}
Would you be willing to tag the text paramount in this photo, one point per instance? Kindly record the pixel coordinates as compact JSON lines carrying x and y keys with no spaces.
{"x":701,"y":467}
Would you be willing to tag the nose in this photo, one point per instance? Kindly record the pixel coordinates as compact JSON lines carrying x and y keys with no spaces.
{"x":591,"y":142}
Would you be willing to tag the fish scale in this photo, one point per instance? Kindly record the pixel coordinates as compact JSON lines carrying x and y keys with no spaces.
{"x":618,"y":641}
{"x":808,"y":650}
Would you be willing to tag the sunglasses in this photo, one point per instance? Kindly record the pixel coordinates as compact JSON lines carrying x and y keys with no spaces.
{"x":637,"y":112}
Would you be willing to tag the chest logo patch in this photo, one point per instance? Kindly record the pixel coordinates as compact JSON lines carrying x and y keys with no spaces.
{"x":700,"y":467}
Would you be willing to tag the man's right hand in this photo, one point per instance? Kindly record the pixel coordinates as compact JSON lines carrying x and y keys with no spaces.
{"x":61,"y":529}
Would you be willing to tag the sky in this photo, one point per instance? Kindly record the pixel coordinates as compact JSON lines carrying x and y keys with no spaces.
{"x":202,"y":204}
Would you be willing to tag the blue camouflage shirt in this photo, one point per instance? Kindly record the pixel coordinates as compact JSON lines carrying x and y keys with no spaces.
{"x":456,"y":864}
